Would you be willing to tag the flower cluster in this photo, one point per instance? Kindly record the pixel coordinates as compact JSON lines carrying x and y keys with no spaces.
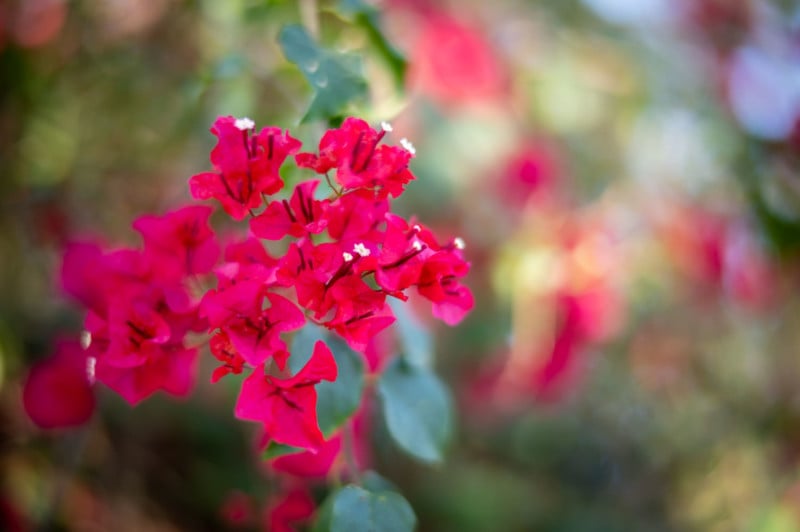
{"x":344,"y":253}
{"x":140,"y":308}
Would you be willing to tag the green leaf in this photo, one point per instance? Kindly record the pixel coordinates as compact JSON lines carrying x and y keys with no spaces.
{"x":417,"y":409}
{"x":375,"y":483}
{"x":275,"y":449}
{"x":336,"y":401}
{"x":356,"y":509}
{"x":336,"y":78}
{"x":415,"y":340}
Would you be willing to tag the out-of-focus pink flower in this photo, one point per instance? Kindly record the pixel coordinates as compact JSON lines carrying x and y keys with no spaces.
{"x":453,"y":63}
{"x":37,"y":22}
{"x":532,"y":173}
{"x":58,"y":391}
{"x":582,"y":319}
{"x":723,"y":21}
{"x":719,"y":257}
{"x":577,"y":304}
{"x":139,"y":315}
{"x":294,"y":508}
{"x":237,"y":509}
{"x":180,"y":242}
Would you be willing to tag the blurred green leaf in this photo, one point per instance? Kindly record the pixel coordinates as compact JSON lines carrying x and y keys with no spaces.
{"x":336,"y":401}
{"x":375,"y":483}
{"x":415,"y":339}
{"x":275,"y":450}
{"x":336,"y":78}
{"x":417,"y":409}
{"x":356,"y":509}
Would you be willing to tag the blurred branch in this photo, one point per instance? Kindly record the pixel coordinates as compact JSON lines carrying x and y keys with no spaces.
{"x":309,"y":16}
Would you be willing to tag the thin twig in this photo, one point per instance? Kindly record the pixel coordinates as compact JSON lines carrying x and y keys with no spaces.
{"x":308,"y":14}
{"x":349,"y":452}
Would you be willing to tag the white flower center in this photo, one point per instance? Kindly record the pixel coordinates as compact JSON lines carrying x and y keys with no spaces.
{"x":458,"y":242}
{"x":347,"y":256}
{"x":361,"y":249}
{"x":416,"y":245}
{"x":405,"y":143}
{"x":91,"y":363}
{"x":86,"y":339}
{"x":387,"y":127}
{"x":243,"y":124}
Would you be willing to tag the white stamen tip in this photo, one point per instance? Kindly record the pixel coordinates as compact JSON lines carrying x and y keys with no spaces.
{"x":243,"y":124}
{"x":347,"y":256}
{"x":405,"y":143}
{"x":387,"y":127}
{"x":458,"y":242}
{"x":91,"y":362}
{"x":416,"y":245}
{"x":416,"y":228}
{"x":86,"y":339}
{"x":361,"y":249}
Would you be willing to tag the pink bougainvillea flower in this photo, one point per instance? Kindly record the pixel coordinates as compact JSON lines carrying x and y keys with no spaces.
{"x":247,"y":165}
{"x":138,"y":317}
{"x":254,"y":262}
{"x":312,"y":270}
{"x":181,"y":242}
{"x":354,"y":150}
{"x":299,"y":216}
{"x":359,"y":329}
{"x":438,"y":282}
{"x":402,"y":255}
{"x":170,"y":369}
{"x":82,"y":273}
{"x":135,"y":332}
{"x":294,"y":508}
{"x":58,"y":390}
{"x":288,"y":407}
{"x":238,"y":310}
{"x":224,"y":351}
{"x":355,"y":217}
{"x":93,"y":276}
{"x":258,"y":335}
{"x":453,"y":63}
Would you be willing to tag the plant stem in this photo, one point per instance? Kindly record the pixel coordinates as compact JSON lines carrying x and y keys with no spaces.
{"x":308,"y":14}
{"x":349,"y":452}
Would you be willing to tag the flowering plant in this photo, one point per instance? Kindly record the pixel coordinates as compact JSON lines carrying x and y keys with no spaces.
{"x":343,"y":255}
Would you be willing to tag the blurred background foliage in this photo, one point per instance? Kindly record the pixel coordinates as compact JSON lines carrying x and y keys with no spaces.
{"x":625,"y":173}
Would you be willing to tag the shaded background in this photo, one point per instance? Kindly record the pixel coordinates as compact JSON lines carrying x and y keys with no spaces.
{"x":625,"y":174}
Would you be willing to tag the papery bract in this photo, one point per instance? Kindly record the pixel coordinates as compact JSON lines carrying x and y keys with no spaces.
{"x":360,"y":162}
{"x":181,"y":243}
{"x":288,"y":407}
{"x":57,"y":392}
{"x":295,"y":507}
{"x":247,"y":166}
{"x":170,"y":369}
{"x":238,"y":310}
{"x":438,"y":283}
{"x":300,"y":215}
